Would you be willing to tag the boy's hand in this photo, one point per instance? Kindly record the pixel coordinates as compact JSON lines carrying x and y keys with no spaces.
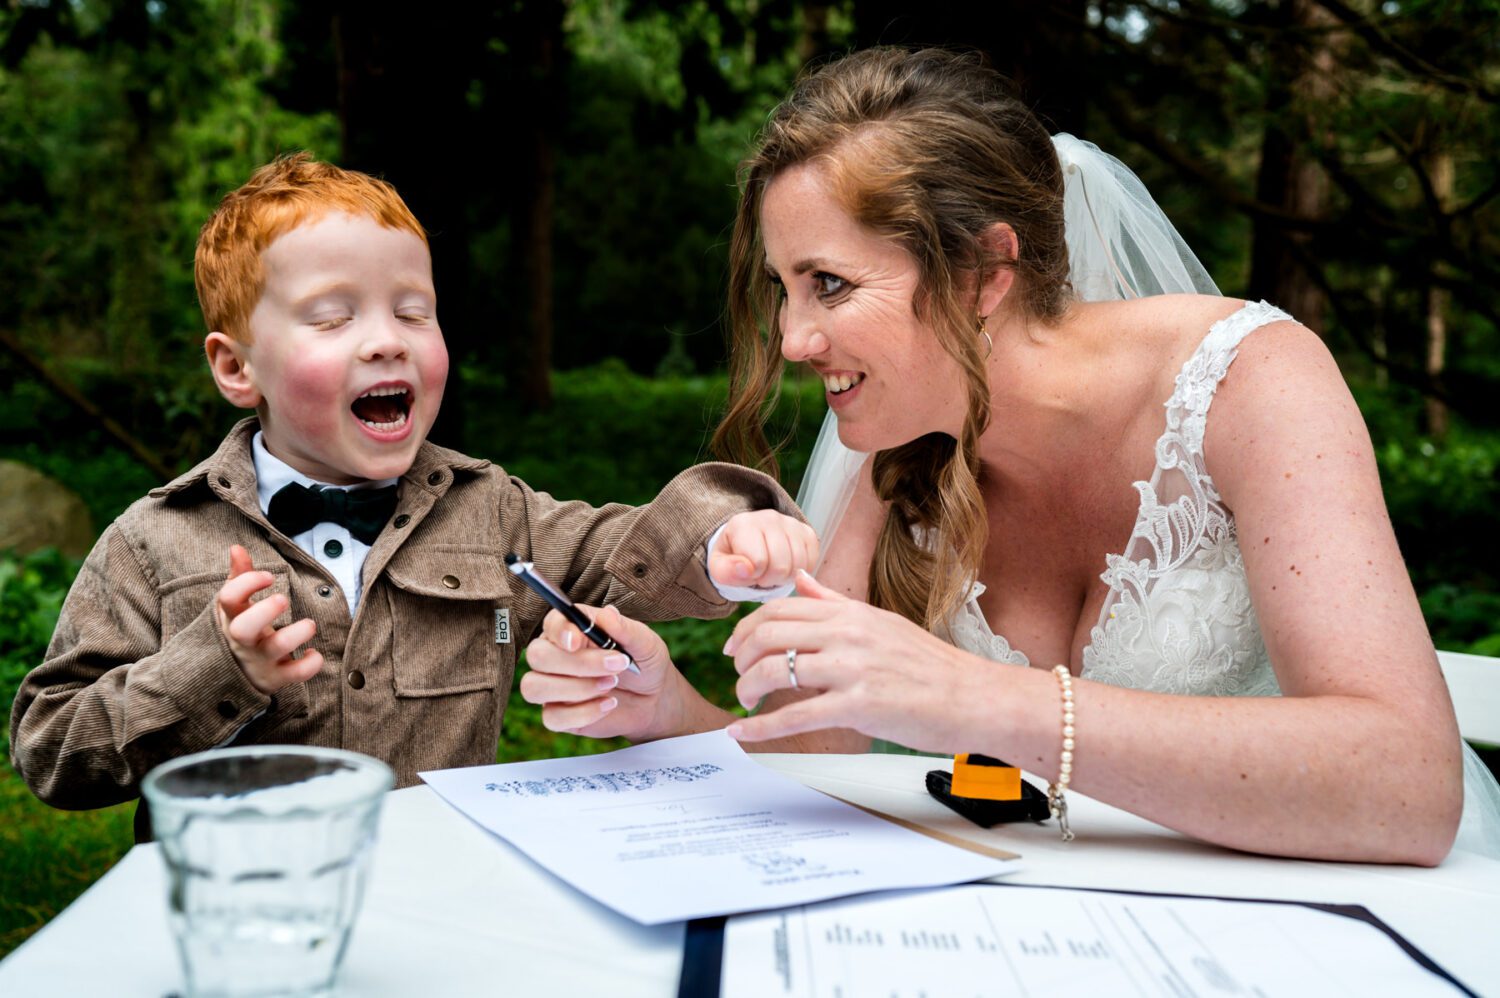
{"x":764,"y":548}
{"x":264,"y":653}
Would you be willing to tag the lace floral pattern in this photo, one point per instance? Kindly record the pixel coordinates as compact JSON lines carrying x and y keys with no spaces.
{"x":1178,"y":617}
{"x":970,"y":631}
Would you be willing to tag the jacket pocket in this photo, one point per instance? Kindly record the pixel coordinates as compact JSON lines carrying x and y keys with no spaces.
{"x":443,"y":602}
{"x":187,"y":597}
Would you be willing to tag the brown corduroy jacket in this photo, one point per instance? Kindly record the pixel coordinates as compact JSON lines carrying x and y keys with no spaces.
{"x":138,"y":671}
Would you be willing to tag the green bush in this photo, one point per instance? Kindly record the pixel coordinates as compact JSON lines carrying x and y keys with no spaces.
{"x":1443,"y":498}
{"x":616,"y":436}
{"x":32,"y":588}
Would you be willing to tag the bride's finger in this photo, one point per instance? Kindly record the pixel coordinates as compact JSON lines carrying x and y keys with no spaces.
{"x":774,"y":637}
{"x":775,"y":671}
{"x":812,"y":714}
{"x":809,"y":586}
{"x":579,"y":715}
{"x":544,"y":656}
{"x":564,"y":633}
{"x":787,"y":609}
{"x":544,"y":688}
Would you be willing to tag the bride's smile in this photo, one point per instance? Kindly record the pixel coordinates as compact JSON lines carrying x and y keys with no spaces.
{"x":847,"y":311}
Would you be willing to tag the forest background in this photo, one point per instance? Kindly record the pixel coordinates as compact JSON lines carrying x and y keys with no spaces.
{"x":575,"y":163}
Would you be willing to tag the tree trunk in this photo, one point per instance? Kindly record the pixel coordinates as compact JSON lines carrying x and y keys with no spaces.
{"x":1036,"y":45}
{"x":1440,"y":168}
{"x":397,"y":73}
{"x":539,"y":49}
{"x":812,"y":33}
{"x":1289,"y":174}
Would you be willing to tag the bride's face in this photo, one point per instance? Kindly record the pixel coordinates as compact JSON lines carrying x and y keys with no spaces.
{"x":847,"y":311}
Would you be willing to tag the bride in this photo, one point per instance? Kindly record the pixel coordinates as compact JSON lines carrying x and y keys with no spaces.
{"x":1231,"y":647}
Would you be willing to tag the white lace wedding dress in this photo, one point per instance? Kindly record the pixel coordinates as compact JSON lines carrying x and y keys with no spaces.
{"x":1178,"y":617}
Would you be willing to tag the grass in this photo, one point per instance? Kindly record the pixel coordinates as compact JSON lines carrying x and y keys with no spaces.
{"x":49,"y":857}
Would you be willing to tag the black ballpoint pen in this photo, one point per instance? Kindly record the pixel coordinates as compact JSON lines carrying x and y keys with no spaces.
{"x":527,"y":573}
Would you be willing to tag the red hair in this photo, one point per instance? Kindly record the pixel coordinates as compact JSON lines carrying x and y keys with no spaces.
{"x":277,"y":198}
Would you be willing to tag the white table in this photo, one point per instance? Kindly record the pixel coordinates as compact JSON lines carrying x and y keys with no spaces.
{"x":454,"y":911}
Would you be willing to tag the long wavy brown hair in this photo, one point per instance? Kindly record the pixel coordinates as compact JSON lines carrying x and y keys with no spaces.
{"x":930,"y":148}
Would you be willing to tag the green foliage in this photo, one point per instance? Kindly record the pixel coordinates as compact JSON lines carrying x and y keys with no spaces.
{"x":1443,"y":497}
{"x":616,"y":436}
{"x":120,"y":129}
{"x":32,"y":589}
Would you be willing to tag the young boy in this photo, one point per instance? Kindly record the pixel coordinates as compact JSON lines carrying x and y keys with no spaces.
{"x":332,"y":510}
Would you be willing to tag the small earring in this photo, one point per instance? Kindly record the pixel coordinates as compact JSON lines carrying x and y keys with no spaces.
{"x":980,"y":320}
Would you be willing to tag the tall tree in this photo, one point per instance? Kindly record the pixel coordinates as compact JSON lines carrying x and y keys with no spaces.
{"x":1300,"y":67}
{"x":404,"y":86}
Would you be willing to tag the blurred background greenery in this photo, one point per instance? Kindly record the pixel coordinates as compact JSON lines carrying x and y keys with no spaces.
{"x":575,"y":163}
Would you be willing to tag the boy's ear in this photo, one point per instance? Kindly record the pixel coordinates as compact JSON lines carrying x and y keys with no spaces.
{"x":999,"y":239}
{"x":231,"y":370}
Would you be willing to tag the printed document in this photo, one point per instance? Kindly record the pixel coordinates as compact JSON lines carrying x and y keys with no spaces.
{"x":689,"y":827}
{"x":979,"y":941}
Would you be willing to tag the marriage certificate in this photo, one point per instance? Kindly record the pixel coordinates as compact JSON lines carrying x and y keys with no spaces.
{"x":690,"y":827}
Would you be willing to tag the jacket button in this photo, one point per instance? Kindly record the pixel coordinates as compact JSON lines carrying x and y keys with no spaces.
{"x":224,"y":482}
{"x":402,"y":520}
{"x":434,"y":478}
{"x":639,"y":569}
{"x":451,"y":581}
{"x":228,"y":711}
{"x":357,"y":679}
{"x":325,"y":591}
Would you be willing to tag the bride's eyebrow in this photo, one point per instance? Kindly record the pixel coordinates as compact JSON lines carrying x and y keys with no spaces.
{"x":805,"y":266}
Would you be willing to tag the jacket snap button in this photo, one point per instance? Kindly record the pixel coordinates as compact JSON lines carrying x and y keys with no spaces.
{"x":325,"y":591}
{"x":402,"y":520}
{"x":357,"y":679}
{"x":228,"y":711}
{"x":451,"y":581}
{"x":224,"y":482}
{"x":434,"y":478}
{"x":639,"y":570}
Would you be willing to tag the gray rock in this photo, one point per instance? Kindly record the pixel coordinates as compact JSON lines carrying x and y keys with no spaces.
{"x":37,"y":512}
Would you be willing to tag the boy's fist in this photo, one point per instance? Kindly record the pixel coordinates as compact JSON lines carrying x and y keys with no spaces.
{"x":764,"y":548}
{"x":263,"y":652}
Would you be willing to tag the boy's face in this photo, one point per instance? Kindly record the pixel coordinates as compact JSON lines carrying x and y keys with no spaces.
{"x":346,"y":363}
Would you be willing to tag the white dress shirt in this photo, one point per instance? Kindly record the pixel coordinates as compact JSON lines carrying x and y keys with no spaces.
{"x":332,"y":545}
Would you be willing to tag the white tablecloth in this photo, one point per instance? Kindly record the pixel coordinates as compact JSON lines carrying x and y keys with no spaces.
{"x":453,"y":911}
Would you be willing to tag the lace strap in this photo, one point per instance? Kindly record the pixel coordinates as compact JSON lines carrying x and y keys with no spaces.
{"x":1187,"y":409}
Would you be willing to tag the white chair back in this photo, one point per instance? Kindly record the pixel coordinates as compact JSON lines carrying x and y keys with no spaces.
{"x":1474,"y":684}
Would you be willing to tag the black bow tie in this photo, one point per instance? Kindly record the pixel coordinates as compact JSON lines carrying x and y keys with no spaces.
{"x":363,"y":512}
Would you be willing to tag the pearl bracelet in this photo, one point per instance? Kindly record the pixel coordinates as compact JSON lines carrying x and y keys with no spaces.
{"x":1057,"y":804}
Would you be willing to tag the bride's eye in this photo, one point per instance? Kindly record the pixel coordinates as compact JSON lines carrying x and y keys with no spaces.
{"x":830,"y":286}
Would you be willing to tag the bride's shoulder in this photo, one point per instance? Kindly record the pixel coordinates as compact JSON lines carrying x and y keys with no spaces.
{"x":1167,"y":319}
{"x":1184,"y":322}
{"x":1182,"y":317}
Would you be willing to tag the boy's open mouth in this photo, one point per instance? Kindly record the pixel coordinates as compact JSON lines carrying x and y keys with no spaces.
{"x":383,"y":408}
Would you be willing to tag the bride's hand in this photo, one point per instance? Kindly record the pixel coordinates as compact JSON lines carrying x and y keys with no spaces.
{"x":870,"y":669}
{"x":586,"y":690}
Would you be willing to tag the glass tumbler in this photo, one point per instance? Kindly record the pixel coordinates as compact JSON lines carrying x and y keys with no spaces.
{"x":267,"y":849}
